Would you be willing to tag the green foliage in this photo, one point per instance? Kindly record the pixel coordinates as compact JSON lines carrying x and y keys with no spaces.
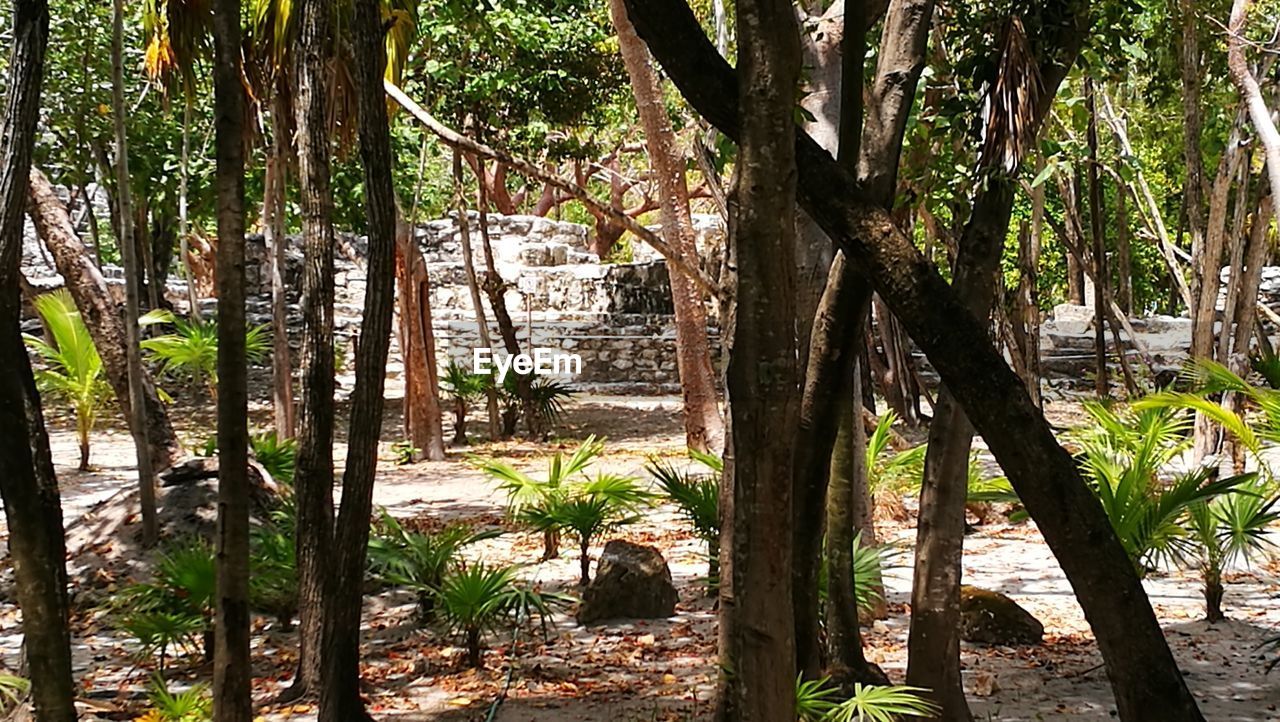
{"x":418,"y":560}
{"x":195,"y":704}
{"x":273,"y":565}
{"x":820,"y":701}
{"x":464,"y":389}
{"x":476,"y":599}
{"x":278,"y":456}
{"x":1124,"y":456}
{"x":869,"y":562}
{"x":405,"y":452}
{"x":548,"y":394}
{"x":697,"y":495}
{"x":73,"y":370}
{"x":587,"y":510}
{"x":175,"y":608}
{"x":191,"y":349}
{"x":12,"y":690}
{"x":888,"y":471}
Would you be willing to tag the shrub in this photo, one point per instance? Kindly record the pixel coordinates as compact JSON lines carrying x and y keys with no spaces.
{"x":698,"y":497}
{"x":195,"y":704}
{"x":174,"y":609}
{"x":417,"y":560}
{"x":586,"y":510}
{"x":464,"y":388}
{"x":73,"y":369}
{"x":819,"y":701}
{"x":476,"y":599}
{"x":191,"y":349}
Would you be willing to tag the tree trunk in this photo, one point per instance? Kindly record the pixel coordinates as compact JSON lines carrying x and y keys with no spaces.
{"x":313,"y":478}
{"x":28,"y":485}
{"x":232,"y":670}
{"x":101,"y":314}
{"x":473,"y":285}
{"x":1144,"y":676}
{"x":128,"y":251}
{"x":1100,"y":275}
{"x":422,"y":421}
{"x":1123,"y":253}
{"x":703,"y":427}
{"x":184,"y":229}
{"x":1259,"y":113}
{"x":340,"y":694}
{"x":762,"y":375}
{"x":273,"y":210}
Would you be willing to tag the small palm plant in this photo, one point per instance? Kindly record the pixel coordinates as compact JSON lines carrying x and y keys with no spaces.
{"x":417,"y":560}
{"x":817,"y":700}
{"x":175,"y":609}
{"x":587,"y":510}
{"x":74,"y":370}
{"x":474,"y":600}
{"x":12,"y":691}
{"x":524,"y":491}
{"x":195,"y":704}
{"x":1124,"y":456}
{"x":465,"y":389}
{"x":192,"y":347}
{"x":698,"y":497}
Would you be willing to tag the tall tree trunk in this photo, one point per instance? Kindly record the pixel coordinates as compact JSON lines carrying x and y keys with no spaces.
{"x":273,"y":210}
{"x":28,"y":485}
{"x":313,"y":478}
{"x":762,"y":376}
{"x":422,"y":420}
{"x":1123,"y":253}
{"x":1242,"y":76}
{"x":1100,"y":275}
{"x":1141,"y":668}
{"x":340,"y":694}
{"x":703,"y":427}
{"x":1027,"y":323}
{"x":232,"y":673}
{"x":101,"y":315}
{"x":128,"y":252}
{"x":473,"y":285}
{"x":184,"y":228}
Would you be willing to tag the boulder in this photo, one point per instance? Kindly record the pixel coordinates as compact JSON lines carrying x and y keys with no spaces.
{"x":988,"y":617}
{"x":632,"y":582}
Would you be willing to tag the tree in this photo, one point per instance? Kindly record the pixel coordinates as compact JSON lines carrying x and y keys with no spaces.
{"x":340,"y":693}
{"x":1144,"y":676}
{"x":128,"y":249}
{"x":28,"y":486}
{"x":313,"y":480}
{"x":100,"y":314}
{"x":762,"y":378}
{"x":232,"y":669}
{"x":422,"y":419}
{"x":704,"y":429}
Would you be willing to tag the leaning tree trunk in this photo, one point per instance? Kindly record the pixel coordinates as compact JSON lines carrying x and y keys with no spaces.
{"x":28,"y":486}
{"x":340,"y":694}
{"x":1100,"y":275}
{"x":232,"y":672}
{"x":762,"y":376}
{"x":1259,"y":113}
{"x":101,"y":315}
{"x":422,"y":420}
{"x":128,"y":252}
{"x":313,"y":478}
{"x":1140,"y":666}
{"x":703,"y":427}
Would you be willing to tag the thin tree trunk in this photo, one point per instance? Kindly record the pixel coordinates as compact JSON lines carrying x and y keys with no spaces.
{"x":340,"y":694}
{"x":1123,"y":253}
{"x":128,"y":251}
{"x":473,"y":285}
{"x":1100,"y":276}
{"x":1028,"y":321}
{"x":422,"y":420}
{"x":232,"y":672}
{"x":313,"y":478}
{"x":762,"y":375}
{"x":28,"y":485}
{"x":184,"y":173}
{"x":703,"y":427}
{"x":273,"y":210}
{"x":1259,"y":113}
{"x":1142,"y":671}
{"x":101,"y":314}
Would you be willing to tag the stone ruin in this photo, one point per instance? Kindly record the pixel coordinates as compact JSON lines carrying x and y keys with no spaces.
{"x":616,"y":316}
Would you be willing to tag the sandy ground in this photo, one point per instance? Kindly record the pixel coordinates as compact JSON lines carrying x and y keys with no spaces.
{"x":665,"y":669}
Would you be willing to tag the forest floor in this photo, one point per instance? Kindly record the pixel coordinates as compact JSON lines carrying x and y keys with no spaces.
{"x":659,"y":670}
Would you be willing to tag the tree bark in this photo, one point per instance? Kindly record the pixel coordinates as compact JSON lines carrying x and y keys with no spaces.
{"x":1100,"y":275}
{"x":273,"y":210}
{"x":340,"y":694}
{"x":128,"y":252}
{"x":762,"y":377}
{"x":28,"y":485}
{"x":473,"y":285}
{"x":101,"y":314}
{"x":1142,"y":671}
{"x":313,"y":477}
{"x":232,"y":673}
{"x":703,"y":427}
{"x":422,"y":421}
{"x":1259,"y":113}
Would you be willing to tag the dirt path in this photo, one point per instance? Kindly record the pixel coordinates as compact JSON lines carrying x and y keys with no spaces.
{"x":665,"y":669}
